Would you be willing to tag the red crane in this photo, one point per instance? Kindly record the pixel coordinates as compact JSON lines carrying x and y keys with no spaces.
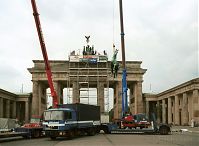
{"x":45,"y":55}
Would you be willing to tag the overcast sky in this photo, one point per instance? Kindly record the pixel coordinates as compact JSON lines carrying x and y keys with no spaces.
{"x":163,"y":34}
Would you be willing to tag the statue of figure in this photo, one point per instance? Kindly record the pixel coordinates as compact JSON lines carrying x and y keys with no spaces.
{"x":114,"y":64}
{"x":87,"y":39}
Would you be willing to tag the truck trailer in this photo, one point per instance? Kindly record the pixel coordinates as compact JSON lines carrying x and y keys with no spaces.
{"x":69,"y":120}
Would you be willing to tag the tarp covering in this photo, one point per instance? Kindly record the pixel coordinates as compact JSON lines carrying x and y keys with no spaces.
{"x":6,"y":123}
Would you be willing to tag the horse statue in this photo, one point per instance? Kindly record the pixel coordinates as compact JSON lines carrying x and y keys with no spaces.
{"x":114,"y":64}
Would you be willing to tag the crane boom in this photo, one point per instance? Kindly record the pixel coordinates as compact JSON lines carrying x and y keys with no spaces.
{"x":124,"y":83}
{"x":44,"y":52}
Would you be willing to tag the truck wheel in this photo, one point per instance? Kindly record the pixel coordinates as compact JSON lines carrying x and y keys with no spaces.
{"x":91,"y":131}
{"x":71,"y":134}
{"x":52,"y":138}
{"x":36,"y":134}
{"x":164,"y":130}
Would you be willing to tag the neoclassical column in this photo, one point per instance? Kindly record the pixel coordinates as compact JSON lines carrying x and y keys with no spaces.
{"x":131,"y":98}
{"x":76,"y":92}
{"x":163,"y":111}
{"x":26,"y":112}
{"x":100,"y":96}
{"x":185,"y":114}
{"x":147,"y":108}
{"x":7,"y":108}
{"x":1,"y":107}
{"x":35,"y":100}
{"x":195,"y":97}
{"x":176,"y":114}
{"x":158,"y":111}
{"x":118,"y":100}
{"x":135,"y":98}
{"x":42,"y":97}
{"x":14,"y":112}
{"x":169,"y":111}
{"x":139,"y":108}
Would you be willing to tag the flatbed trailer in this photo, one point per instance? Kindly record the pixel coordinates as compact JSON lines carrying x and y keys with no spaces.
{"x":111,"y":128}
{"x":29,"y":132}
{"x":12,"y":134}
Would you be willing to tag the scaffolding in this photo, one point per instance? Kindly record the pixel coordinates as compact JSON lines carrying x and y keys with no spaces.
{"x":88,"y":71}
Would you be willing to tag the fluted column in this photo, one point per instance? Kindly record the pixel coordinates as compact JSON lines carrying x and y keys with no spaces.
{"x":118,"y":100}
{"x":176,"y":114}
{"x":158,"y":111}
{"x":131,"y":98}
{"x":139,"y":108}
{"x":100,"y":96}
{"x":26,"y":112}
{"x":14,"y":110}
{"x":147,"y":108}
{"x":76,"y":97}
{"x":135,"y":99}
{"x":185,"y":114}
{"x":35,"y":100}
{"x":163,"y":111}
{"x":1,"y":107}
{"x":195,"y":97}
{"x":7,"y":108}
{"x":169,"y":111}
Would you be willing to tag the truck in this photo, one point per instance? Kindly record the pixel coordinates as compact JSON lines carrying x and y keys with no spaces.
{"x":69,"y":120}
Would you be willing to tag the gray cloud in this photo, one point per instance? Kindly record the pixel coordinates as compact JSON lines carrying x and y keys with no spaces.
{"x":161,"y":33}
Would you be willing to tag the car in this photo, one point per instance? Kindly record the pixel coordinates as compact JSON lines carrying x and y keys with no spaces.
{"x":134,"y":121}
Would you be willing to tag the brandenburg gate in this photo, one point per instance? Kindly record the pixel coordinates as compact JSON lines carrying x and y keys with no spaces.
{"x":82,"y":71}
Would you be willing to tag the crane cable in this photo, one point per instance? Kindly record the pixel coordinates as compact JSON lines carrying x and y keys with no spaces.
{"x":113,"y":15}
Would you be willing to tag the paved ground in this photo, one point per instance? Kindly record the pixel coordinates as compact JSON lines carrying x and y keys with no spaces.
{"x":180,"y":136}
{"x":175,"y":139}
{"x":182,"y":128}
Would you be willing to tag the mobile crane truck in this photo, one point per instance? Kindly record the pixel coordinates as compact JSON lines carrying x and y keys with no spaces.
{"x":130,"y":121}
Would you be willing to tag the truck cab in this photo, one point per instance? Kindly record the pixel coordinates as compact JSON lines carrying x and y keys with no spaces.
{"x":59,"y":119}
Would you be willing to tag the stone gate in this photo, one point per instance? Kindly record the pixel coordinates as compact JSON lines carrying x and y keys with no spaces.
{"x":78,"y":72}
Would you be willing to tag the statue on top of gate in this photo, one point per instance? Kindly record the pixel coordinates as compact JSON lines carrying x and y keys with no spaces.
{"x":114,"y":63}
